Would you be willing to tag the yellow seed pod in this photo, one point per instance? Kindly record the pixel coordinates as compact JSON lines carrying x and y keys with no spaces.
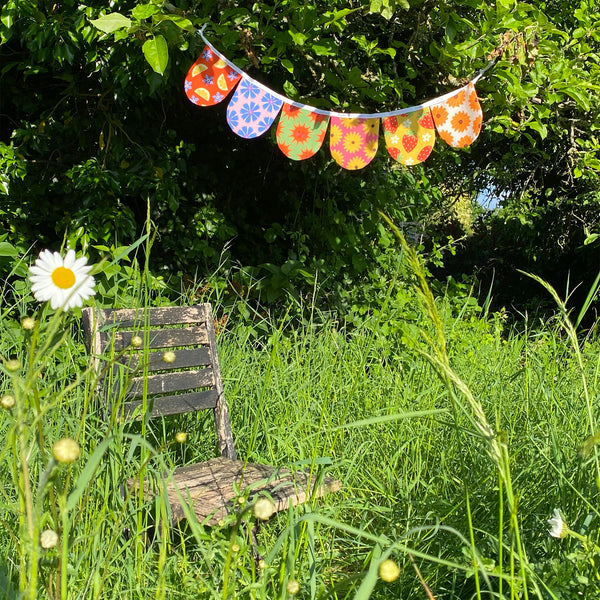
{"x":12,"y":365}
{"x":389,"y":570}
{"x":66,"y":450}
{"x":48,"y":539}
{"x":169,"y":356}
{"x":28,"y":323}
{"x":263,"y":509}
{"x":7,"y":401}
{"x":136,"y":341}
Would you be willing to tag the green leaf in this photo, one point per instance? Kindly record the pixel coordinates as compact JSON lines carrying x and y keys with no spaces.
{"x":156,"y":52}
{"x":287,"y":64}
{"x":181,"y":22}
{"x":143,"y":11}
{"x":111,"y":22}
{"x":86,"y":475}
{"x":298,"y":37}
{"x":7,"y":249}
{"x":327,"y":47}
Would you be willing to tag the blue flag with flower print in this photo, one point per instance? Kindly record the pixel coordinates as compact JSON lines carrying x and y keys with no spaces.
{"x":252,"y":109}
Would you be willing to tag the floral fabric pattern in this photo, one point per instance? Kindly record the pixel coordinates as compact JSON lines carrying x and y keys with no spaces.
{"x":458,"y":119}
{"x":210,"y":79}
{"x":409,"y":137}
{"x":353,"y":142}
{"x":300,"y":133}
{"x":252,"y":110}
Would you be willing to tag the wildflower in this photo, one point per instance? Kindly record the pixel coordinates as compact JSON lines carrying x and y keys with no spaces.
{"x":558,"y":528}
{"x":66,"y":450}
{"x":28,"y":323}
{"x":262,"y":564}
{"x":389,"y":570}
{"x":181,"y":437}
{"x":136,"y":341}
{"x":12,"y":365}
{"x":168,"y":356}
{"x":7,"y":401}
{"x":235,"y":548}
{"x":63,"y":281}
{"x":292,"y":587}
{"x":48,"y":539}
{"x":263,"y":509}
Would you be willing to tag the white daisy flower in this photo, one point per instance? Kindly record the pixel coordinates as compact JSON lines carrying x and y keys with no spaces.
{"x":63,"y":281}
{"x":558,"y":528}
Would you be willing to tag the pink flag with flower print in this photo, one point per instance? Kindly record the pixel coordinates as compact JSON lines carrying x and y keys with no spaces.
{"x":210,"y":79}
{"x":300,"y":133}
{"x":252,"y":110}
{"x":353,"y":141}
{"x":458,"y":119}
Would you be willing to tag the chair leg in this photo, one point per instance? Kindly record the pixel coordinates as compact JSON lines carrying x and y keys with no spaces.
{"x":253,"y":536}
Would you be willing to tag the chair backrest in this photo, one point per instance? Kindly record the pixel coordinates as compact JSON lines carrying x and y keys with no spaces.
{"x":189,"y":381}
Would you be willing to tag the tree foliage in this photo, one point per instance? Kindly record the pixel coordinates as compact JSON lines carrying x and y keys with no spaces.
{"x":95,"y":126}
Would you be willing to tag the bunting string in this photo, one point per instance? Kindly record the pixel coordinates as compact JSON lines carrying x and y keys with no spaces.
{"x":409,"y":133}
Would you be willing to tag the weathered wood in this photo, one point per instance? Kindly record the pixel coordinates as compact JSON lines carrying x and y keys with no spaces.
{"x":184,"y":358}
{"x":222,"y":422}
{"x":208,"y":487}
{"x":173,"y":405}
{"x":163,"y":315}
{"x":164,"y":338}
{"x":165,"y":383}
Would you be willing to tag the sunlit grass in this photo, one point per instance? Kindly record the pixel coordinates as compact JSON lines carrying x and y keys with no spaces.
{"x":420,"y":484}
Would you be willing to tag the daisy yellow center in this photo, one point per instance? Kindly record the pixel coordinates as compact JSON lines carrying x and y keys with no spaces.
{"x":63,"y":278}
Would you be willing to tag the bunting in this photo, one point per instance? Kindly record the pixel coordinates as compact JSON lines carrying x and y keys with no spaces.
{"x":409,"y":133}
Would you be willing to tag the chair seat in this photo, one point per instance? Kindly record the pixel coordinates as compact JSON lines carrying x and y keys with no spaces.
{"x":209,"y":487}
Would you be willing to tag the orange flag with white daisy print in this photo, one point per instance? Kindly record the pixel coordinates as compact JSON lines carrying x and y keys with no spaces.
{"x":458,"y":119}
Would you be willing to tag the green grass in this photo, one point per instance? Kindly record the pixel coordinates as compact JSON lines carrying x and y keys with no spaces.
{"x":404,"y":430}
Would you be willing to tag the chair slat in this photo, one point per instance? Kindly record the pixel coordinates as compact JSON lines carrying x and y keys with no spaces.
{"x":166,"y":383}
{"x":164,"y":338}
{"x":168,"y":315}
{"x":174,"y":405}
{"x":210,"y":486}
{"x":184,"y":358}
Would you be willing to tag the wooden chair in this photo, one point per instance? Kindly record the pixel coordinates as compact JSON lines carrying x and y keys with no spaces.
{"x":191,"y":382}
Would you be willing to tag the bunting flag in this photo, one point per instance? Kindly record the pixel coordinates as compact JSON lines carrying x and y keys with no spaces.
{"x":409,"y":133}
{"x":410,"y":137}
{"x":210,"y":79}
{"x":300,"y":132}
{"x":252,"y":110}
{"x":458,"y":118}
{"x":353,"y":142}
